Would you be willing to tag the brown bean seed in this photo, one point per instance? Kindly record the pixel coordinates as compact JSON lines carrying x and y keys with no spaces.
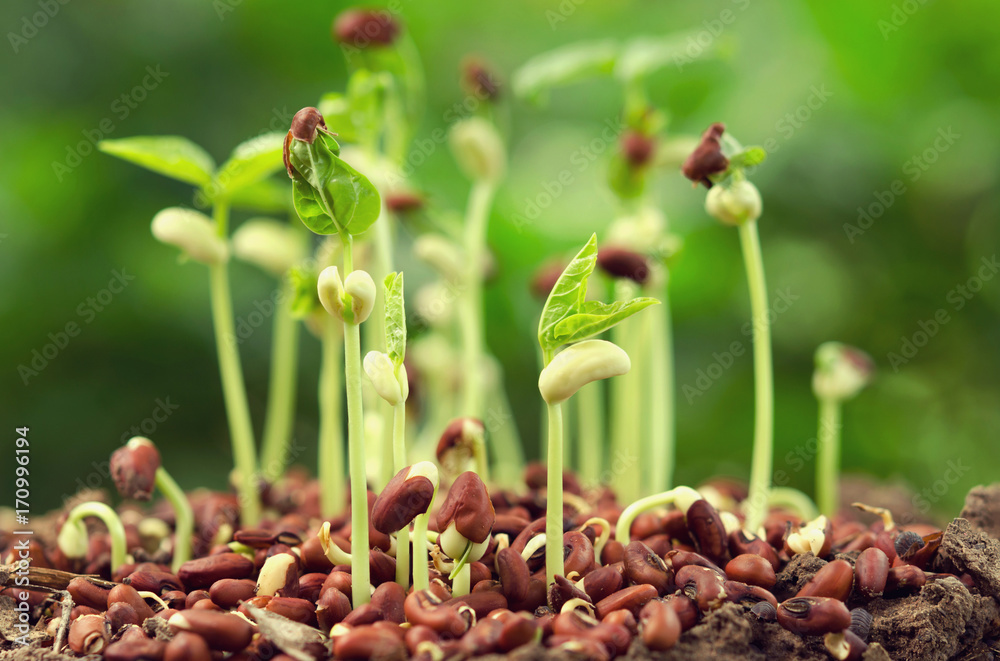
{"x":389,"y":598}
{"x":514,"y":574}
{"x":195,"y":596}
{"x":741,"y":542}
{"x":516,"y":631}
{"x":422,"y":607}
{"x":641,"y":565}
{"x":127,"y":594}
{"x":86,"y":593}
{"x":202,"y":572}
{"x":703,"y":585}
{"x":119,"y":615}
{"x":631,"y":599}
{"x":741,"y":593}
{"x":871,"y":571}
{"x":813,"y":616}
{"x":147,"y":649}
{"x":89,"y":634}
{"x":752,"y":569}
{"x":363,"y":615}
{"x":613,"y":551}
{"x":298,"y":610}
{"x":156,"y":582}
{"x":481,"y":603}
{"x":835,"y":580}
{"x":578,"y":554}
{"x":660,"y":626}
{"x":369,"y":643}
{"x":603,"y":582}
{"x":707,"y":531}
{"x":186,"y":646}
{"x":221,"y":631}
{"x":331,"y":608}
{"x":905,"y":578}
{"x":227,"y":593}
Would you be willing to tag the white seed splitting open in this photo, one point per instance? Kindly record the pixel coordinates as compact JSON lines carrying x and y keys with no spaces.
{"x":192,"y":232}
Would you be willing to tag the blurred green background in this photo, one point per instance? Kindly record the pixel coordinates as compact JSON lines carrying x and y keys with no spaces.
{"x":843,"y":95}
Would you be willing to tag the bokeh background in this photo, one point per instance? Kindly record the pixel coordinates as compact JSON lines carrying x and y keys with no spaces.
{"x":852,"y":99}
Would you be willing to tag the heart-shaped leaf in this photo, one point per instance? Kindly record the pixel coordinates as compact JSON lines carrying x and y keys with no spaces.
{"x":596,"y":317}
{"x":568,"y":294}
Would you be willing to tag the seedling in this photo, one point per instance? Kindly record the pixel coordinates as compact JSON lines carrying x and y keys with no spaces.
{"x":204,"y":240}
{"x":569,"y":318}
{"x":841,"y":373}
{"x":735,"y":201}
{"x":465,"y":520}
{"x":407,"y":497}
{"x":479,"y":151}
{"x":135,"y":468}
{"x":331,"y":197}
{"x":276,"y":248}
{"x":72,"y":539}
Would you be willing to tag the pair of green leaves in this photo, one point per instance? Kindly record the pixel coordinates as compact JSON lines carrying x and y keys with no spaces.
{"x":628,"y":62}
{"x":569,"y":317}
{"x":239,"y":179}
{"x":330,"y":196}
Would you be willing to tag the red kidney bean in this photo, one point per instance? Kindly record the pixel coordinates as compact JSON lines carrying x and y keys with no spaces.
{"x":298,"y":610}
{"x":331,"y":608}
{"x":119,"y":615}
{"x":147,"y":649}
{"x":835,"y":579}
{"x":752,"y":569}
{"x":707,"y":531}
{"x":221,"y":631}
{"x":187,"y":647}
{"x":701,"y":584}
{"x":659,"y":625}
{"x":389,"y":598}
{"x":905,"y":578}
{"x":641,"y":565}
{"x":85,"y":593}
{"x":603,"y":582}
{"x":369,"y":643}
{"x":631,"y":599}
{"x":227,"y":593}
{"x":871,"y":571}
{"x":514,"y":574}
{"x":578,"y":552}
{"x":156,"y":582}
{"x":813,"y":616}
{"x":89,"y":634}
{"x":741,"y":593}
{"x":422,"y":607}
{"x":195,"y":596}
{"x":127,"y":594}
{"x":202,"y":572}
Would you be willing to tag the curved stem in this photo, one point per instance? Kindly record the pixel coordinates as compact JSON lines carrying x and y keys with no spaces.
{"x":184,"y":525}
{"x":116,"y":531}
{"x":763,"y":437}
{"x":279,"y":418}
{"x":421,"y":572}
{"x":460,"y":585}
{"x":331,"y":435}
{"x":360,"y":570}
{"x":662,"y":404}
{"x":623,"y":529}
{"x":474,"y":240}
{"x":828,"y":463}
{"x":237,"y":408}
{"x":554,"y":497}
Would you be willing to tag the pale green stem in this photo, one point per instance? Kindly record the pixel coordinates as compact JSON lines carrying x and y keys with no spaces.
{"x":626,"y":392}
{"x":554,"y":496}
{"x":421,"y":571}
{"x":661,"y":392}
{"x":590,"y":414}
{"x":505,"y":444}
{"x":184,"y":515}
{"x":281,"y":390}
{"x":794,"y":501}
{"x":471,"y":312}
{"x":460,"y":585}
{"x":360,"y":571}
{"x":234,"y":392}
{"x":623,"y":529}
{"x":116,"y":531}
{"x":828,"y":463}
{"x":399,"y":462}
{"x":763,"y":438}
{"x":331,"y":435}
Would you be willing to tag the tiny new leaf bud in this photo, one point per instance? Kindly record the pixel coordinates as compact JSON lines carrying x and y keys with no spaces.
{"x":133,"y":468}
{"x":382,"y":374}
{"x":735,"y":203}
{"x":192,"y":232}
{"x":466,"y":517}
{"x":707,"y":158}
{"x":365,"y":27}
{"x":269,"y":244}
{"x":350,"y":300}
{"x":624,"y":263}
{"x":407,"y":495}
{"x":330,"y":288}
{"x":458,"y":442}
{"x":580,"y":364}
{"x":360,"y":288}
{"x":477,"y":147}
{"x":841,"y":371}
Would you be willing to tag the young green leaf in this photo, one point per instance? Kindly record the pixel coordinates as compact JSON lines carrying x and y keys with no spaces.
{"x":596,"y":317}
{"x":565,"y":65}
{"x":644,"y":55}
{"x":169,"y":155}
{"x":748,"y":158}
{"x":266,"y":195}
{"x":568,"y":294}
{"x":395,"y":318}
{"x":251,"y":161}
{"x":305,"y":300}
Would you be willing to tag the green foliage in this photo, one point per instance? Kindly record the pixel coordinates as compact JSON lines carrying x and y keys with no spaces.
{"x":643,"y":56}
{"x":169,"y":155}
{"x":569,"y":317}
{"x":568,"y":64}
{"x":330,"y":196}
{"x":305,"y":300}
{"x":395,"y":318}
{"x":251,"y":161}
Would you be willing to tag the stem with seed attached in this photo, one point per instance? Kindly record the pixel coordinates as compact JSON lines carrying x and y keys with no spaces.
{"x":360,"y":571}
{"x":590,"y":450}
{"x":331,"y":436}
{"x":828,"y":465}
{"x":184,"y":525}
{"x":281,"y":389}
{"x":763,"y":438}
{"x":554,"y":495}
{"x":116,"y":531}
{"x":237,"y":409}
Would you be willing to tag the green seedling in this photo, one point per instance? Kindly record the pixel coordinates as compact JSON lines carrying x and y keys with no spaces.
{"x":568,"y":318}
{"x":735,"y":201}
{"x":841,"y":373}
{"x":331,"y":197}
{"x":72,"y":539}
{"x":276,"y":248}
{"x":234,"y":183}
